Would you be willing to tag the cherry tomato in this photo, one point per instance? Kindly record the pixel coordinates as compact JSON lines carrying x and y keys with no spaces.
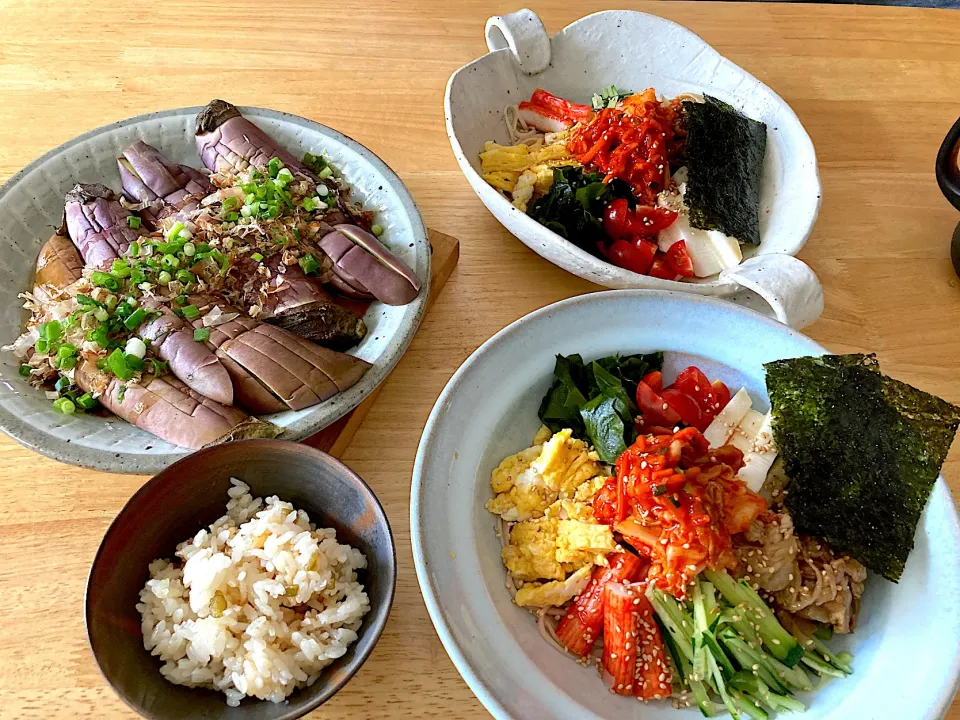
{"x":721,"y":395}
{"x":655,"y":410}
{"x":649,"y":220}
{"x":685,"y":405}
{"x":617,"y":219}
{"x":694,"y":383}
{"x":660,"y":268}
{"x":679,"y":259}
{"x":636,"y":257}
{"x":655,"y":380}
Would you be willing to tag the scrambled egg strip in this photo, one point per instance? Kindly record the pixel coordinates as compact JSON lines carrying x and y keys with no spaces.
{"x":524,"y":171}
{"x":546,"y":491}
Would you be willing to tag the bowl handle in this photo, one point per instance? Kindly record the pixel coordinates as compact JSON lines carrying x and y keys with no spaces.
{"x":788,"y":285}
{"x":523,"y":32}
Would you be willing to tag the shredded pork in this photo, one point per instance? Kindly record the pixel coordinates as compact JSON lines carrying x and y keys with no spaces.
{"x":801,"y":575}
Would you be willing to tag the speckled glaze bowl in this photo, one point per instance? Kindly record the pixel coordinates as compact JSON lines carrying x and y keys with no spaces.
{"x":634,"y":51}
{"x":907,"y":643}
{"x":174,"y":506}
{"x":31,"y":207}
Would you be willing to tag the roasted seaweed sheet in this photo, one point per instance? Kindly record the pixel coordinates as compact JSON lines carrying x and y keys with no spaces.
{"x":862,"y":452}
{"x":724,"y":158}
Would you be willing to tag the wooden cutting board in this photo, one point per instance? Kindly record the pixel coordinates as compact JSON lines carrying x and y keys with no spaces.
{"x":335,"y":438}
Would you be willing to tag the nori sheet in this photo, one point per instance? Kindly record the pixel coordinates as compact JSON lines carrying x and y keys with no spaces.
{"x":862,"y":452}
{"x":724,"y":158}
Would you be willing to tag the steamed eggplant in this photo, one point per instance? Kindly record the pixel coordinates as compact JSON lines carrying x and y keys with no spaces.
{"x":152,"y":179}
{"x":97,"y":223}
{"x":200,"y":296}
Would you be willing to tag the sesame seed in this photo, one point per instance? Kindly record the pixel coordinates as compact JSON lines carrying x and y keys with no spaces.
{"x":776,"y":641}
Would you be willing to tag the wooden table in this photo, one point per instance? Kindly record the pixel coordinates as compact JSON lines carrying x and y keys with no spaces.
{"x":875,"y":87}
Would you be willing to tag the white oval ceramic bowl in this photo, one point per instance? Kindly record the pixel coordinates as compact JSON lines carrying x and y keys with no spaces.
{"x":635,"y":51}
{"x":31,"y":207}
{"x":907,"y":644}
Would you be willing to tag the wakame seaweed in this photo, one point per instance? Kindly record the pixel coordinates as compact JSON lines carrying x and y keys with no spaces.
{"x":574,"y":206}
{"x":724,"y":158}
{"x":862,"y":452}
{"x":595,"y":400}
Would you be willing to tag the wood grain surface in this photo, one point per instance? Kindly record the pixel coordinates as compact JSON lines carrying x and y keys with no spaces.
{"x":875,"y":87}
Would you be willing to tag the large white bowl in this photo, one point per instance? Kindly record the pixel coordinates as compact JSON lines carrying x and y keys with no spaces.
{"x":907,"y":644}
{"x":635,"y":51}
{"x":31,"y":207}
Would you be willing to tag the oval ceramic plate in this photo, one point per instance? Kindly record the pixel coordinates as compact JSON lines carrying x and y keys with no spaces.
{"x":31,"y":207}
{"x":603,"y":49}
{"x":907,"y":644}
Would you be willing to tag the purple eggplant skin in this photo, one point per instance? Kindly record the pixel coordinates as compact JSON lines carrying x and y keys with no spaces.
{"x":363,"y":264}
{"x":97,"y":223}
{"x":228,"y":141}
{"x":163,"y":406}
{"x":191,"y":361}
{"x":149,"y":175}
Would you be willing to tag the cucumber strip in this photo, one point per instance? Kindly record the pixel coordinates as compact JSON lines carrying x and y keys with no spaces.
{"x":673,"y":619}
{"x":707,"y":707}
{"x":710,"y":602}
{"x":787,"y":703}
{"x":721,"y":687}
{"x":822,"y":667}
{"x":680,"y":663}
{"x":710,"y":642}
{"x":781,"y":644}
{"x":751,"y":660}
{"x":749,"y":707}
{"x":814,"y":647}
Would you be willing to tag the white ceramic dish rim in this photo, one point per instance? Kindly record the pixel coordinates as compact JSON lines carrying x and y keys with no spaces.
{"x":340,"y":404}
{"x":799,"y":300}
{"x":438,"y":615}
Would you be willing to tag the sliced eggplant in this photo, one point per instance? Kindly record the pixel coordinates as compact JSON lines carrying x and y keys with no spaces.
{"x":59,"y":263}
{"x":364,"y":265}
{"x":97,"y":223}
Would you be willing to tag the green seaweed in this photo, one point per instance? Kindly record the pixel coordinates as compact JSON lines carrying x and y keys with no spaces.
{"x":724,"y":158}
{"x":862,"y":452}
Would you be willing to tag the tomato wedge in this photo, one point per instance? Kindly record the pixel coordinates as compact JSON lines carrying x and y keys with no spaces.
{"x":655,"y":410}
{"x":661,"y":268}
{"x":686,"y":406}
{"x":635,"y":257}
{"x":649,"y":220}
{"x":679,"y":259}
{"x":654,"y":379}
{"x":721,"y":395}
{"x":617,"y":219}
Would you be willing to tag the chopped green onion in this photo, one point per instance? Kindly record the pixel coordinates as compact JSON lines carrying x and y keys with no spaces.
{"x":377,"y":230}
{"x":180,"y":299}
{"x":232,"y":217}
{"x":110,"y":302}
{"x":66,"y":350}
{"x":61,"y":384}
{"x":41,"y":346}
{"x":325,"y":173}
{"x":189,"y":249}
{"x":135,"y":348}
{"x":50,"y":330}
{"x":323,"y":190}
{"x":231,"y":203}
{"x":273,"y":167}
{"x":169,"y":262}
{"x":134,"y":249}
{"x":309,"y":204}
{"x":117,"y":364}
{"x":65,"y":406}
{"x":99,"y":335}
{"x":121,"y":392}
{"x":250,"y":199}
{"x":203,"y":247}
{"x":285,"y":176}
{"x":25,"y":370}
{"x":134,"y":363}
{"x":246,"y":211}
{"x":67,"y":363}
{"x":201,"y":334}
{"x":120,"y":269}
{"x":186,"y":277}
{"x":257,"y":256}
{"x":164,"y":278}
{"x":87,"y":301}
{"x":133,"y":221}
{"x":102,"y":279}
{"x":190,"y":312}
{"x":175,"y":230}
{"x":87,"y":401}
{"x":309,"y":264}
{"x":101,"y":314}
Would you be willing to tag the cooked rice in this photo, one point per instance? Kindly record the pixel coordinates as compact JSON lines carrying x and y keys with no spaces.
{"x":259,"y":605}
